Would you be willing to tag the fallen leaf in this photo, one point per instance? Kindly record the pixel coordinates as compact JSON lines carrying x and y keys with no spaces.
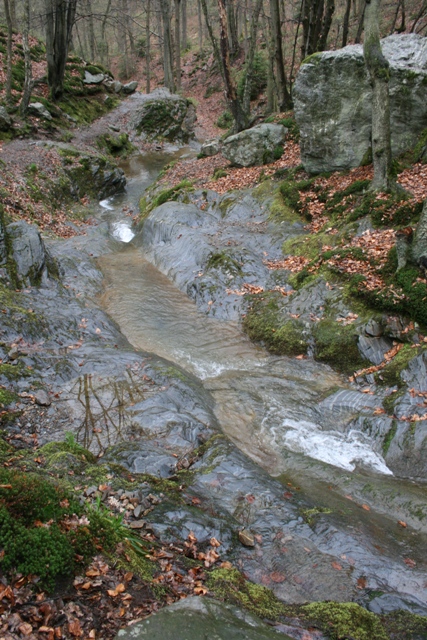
{"x":336,"y":565}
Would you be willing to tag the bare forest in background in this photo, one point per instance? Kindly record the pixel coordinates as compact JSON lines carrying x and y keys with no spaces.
{"x":128,"y":34}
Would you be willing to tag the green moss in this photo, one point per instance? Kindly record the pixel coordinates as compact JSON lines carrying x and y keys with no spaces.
{"x":290,"y":191}
{"x":309,"y":515}
{"x":6,"y":397}
{"x":264,"y":323}
{"x":337,"y":345}
{"x":403,"y":625}
{"x":223,"y":261}
{"x":219,"y":173}
{"x":230,"y":585}
{"x":166,"y":195}
{"x":345,"y":620}
{"x":389,"y":437}
{"x":116,"y":145}
{"x":313,"y":59}
{"x":225,"y":120}
{"x":390,"y":374}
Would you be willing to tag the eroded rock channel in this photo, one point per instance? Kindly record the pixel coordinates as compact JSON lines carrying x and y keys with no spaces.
{"x":273,"y":446}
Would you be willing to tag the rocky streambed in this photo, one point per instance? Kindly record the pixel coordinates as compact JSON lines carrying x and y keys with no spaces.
{"x":278,"y":458}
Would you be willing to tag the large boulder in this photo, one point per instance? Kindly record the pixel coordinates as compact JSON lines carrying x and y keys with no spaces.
{"x":197,"y":618}
{"x":164,"y":115}
{"x":332,"y":98}
{"x":27,"y":251}
{"x":254,"y":146}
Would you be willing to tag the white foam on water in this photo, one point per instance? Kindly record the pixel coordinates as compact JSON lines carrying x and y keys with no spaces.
{"x":121,"y":231}
{"x":341,"y":450}
{"x":106,"y":204}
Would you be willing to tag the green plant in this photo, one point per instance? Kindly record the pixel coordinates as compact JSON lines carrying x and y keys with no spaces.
{"x":259,"y":77}
{"x":337,"y":345}
{"x":225,"y":120}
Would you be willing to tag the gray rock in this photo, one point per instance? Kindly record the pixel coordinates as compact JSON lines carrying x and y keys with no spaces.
{"x":373,"y":349}
{"x":27,"y":251}
{"x":211,"y":147}
{"x":164,"y":115}
{"x":114,"y":86}
{"x":332,"y":97}
{"x":373,"y":329}
{"x":200,"y":618}
{"x":254,"y":146}
{"x":42,"y":398}
{"x":38,"y":109}
{"x":93,"y":78}
{"x":130,"y":87}
{"x":5,"y":120}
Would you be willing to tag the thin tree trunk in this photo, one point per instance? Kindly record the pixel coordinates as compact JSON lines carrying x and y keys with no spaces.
{"x":326,"y":25}
{"x":361,"y":23}
{"x":346,"y":23}
{"x":9,"y":51}
{"x":294,"y":49}
{"x":167,"y":45}
{"x":105,"y":48}
{"x":28,"y":82}
{"x":91,"y":31}
{"x":177,"y":44}
{"x":215,"y":47}
{"x":12,"y":8}
{"x":420,"y":14}
{"x":283,"y":93}
{"x":60,"y":16}
{"x":240,"y":120}
{"x":199,"y":16}
{"x":184,"y":24}
{"x":379,"y":72}
{"x":232,"y":28}
{"x":147,"y":48}
{"x":249,"y":63}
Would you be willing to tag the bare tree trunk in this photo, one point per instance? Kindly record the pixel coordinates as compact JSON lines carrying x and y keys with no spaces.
{"x":240,"y":120}
{"x":28,"y":82}
{"x":326,"y":25}
{"x":271,"y":84}
{"x":420,"y":14}
{"x":177,"y":44}
{"x":91,"y":31}
{"x":167,"y":45}
{"x":283,"y":93}
{"x":361,"y":23}
{"x":249,"y":62}
{"x":346,"y":23}
{"x":9,"y":52}
{"x":199,"y":16}
{"x":105,"y":49}
{"x":379,"y":72}
{"x":217,"y":53}
{"x":60,"y":16}
{"x":232,"y":28}
{"x":184,"y":24}
{"x":12,"y":8}
{"x":147,"y":48}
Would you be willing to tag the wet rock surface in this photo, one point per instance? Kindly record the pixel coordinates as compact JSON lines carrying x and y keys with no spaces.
{"x":201,"y":618}
{"x":333,"y":103}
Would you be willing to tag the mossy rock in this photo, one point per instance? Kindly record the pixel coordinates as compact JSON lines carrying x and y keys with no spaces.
{"x":231,"y":586}
{"x":264,"y":323}
{"x":336,"y":345}
{"x":345,"y":620}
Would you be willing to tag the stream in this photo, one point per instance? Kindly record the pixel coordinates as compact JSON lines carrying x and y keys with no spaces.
{"x":269,"y":407}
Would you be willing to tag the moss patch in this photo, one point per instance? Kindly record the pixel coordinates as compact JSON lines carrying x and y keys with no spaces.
{"x":230,"y":585}
{"x":345,"y":620}
{"x":337,"y":345}
{"x":264,"y":323}
{"x":147,"y":205}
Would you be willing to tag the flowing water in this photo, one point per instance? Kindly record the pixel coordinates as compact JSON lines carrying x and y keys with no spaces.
{"x":267,"y":405}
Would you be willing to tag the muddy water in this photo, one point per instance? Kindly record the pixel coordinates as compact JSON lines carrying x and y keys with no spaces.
{"x":268,"y":406}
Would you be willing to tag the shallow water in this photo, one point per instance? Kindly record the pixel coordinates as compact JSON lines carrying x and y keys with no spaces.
{"x":266,"y":405}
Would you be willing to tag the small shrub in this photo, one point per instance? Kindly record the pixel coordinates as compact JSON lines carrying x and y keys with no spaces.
{"x":225,"y":120}
{"x":259,"y":77}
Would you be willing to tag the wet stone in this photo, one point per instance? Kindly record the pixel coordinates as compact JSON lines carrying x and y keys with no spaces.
{"x":42,"y":398}
{"x":196,"y":618}
{"x":246,"y":538}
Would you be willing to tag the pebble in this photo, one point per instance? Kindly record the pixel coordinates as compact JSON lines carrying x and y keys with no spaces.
{"x":246,"y":538}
